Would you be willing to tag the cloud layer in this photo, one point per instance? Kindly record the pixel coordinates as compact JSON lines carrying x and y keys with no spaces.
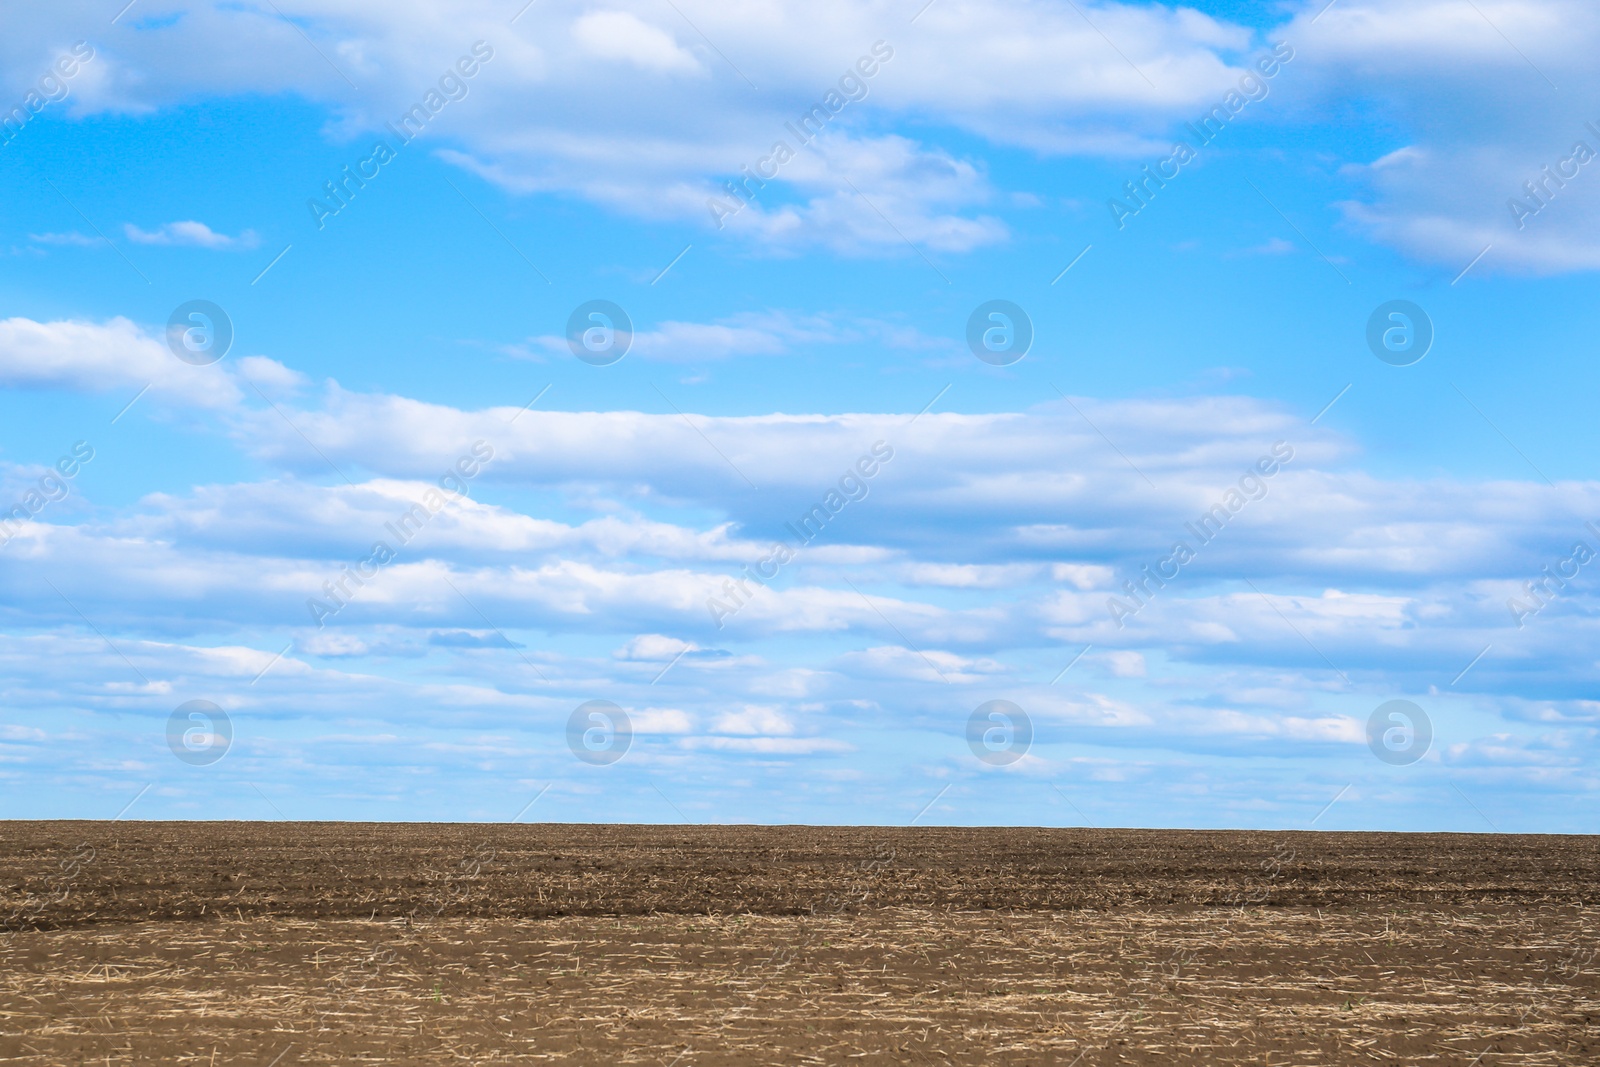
{"x":1462,"y":105}
{"x":929,"y":564}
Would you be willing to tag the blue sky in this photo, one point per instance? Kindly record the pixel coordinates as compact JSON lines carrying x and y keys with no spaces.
{"x":769,"y":355}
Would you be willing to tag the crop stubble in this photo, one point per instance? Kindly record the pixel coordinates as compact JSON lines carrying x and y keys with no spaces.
{"x":404,"y":943}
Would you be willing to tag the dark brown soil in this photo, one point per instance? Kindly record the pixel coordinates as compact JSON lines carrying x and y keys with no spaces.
{"x":153,"y":871}
{"x":333,"y":943}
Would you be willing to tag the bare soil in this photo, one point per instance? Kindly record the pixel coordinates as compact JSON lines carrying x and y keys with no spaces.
{"x":338,"y":943}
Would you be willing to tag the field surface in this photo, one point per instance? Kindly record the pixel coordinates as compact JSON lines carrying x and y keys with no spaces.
{"x":336,"y":943}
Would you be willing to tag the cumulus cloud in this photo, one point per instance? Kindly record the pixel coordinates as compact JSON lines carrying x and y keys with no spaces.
{"x":1462,"y":98}
{"x":624,"y":36}
{"x":96,"y":357}
{"x":1343,"y":614}
{"x":1352,"y":557}
{"x":1471,"y":102}
{"x":615,"y":111}
{"x":1350,"y":572}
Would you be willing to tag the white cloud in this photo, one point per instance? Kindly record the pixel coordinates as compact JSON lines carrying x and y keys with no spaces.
{"x":1082,"y":576}
{"x":771,"y":746}
{"x":660,"y":721}
{"x":333,"y":644}
{"x":897,"y":191}
{"x":76,"y":239}
{"x":1360,"y":566}
{"x":654,"y":648}
{"x":1126,"y":664}
{"x":687,"y":342}
{"x":190,"y":233}
{"x":765,"y":333}
{"x":970,"y":575}
{"x":97,"y":357}
{"x":623,"y":35}
{"x":1467,"y":101}
{"x":611,"y":104}
{"x":1014,"y":469}
{"x":1367,"y":586}
{"x":754,"y":719}
{"x":929,"y":665}
{"x":270,"y":373}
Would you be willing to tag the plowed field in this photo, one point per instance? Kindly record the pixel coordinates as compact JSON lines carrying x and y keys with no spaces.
{"x":329,"y":943}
